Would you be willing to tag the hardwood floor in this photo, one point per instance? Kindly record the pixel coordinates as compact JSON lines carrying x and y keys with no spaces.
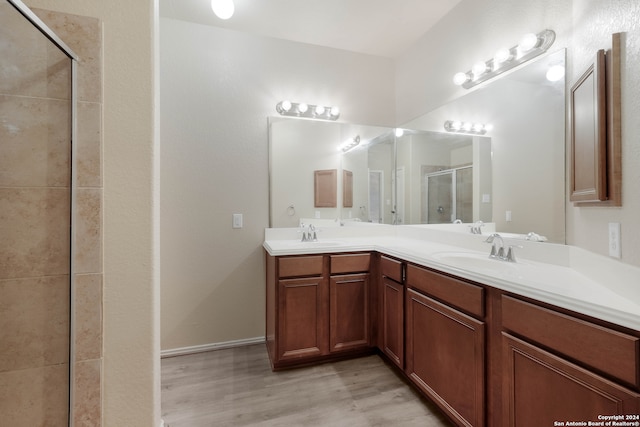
{"x":236,"y":387}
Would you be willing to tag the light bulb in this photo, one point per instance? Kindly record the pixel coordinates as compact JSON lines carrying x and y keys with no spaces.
{"x":399,"y":132}
{"x":477,"y":127}
{"x":335,"y":111}
{"x":479,"y":68}
{"x":320,"y":110}
{"x":456,"y":125}
{"x":501,"y":56}
{"x":460,"y":78}
{"x":555,"y":73}
{"x":467,"y":126}
{"x":286,"y":105}
{"x":528,"y":42}
{"x":223,"y":8}
{"x":488,"y":127}
{"x":303,"y":108}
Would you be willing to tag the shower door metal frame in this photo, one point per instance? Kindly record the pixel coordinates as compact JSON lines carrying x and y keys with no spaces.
{"x":53,"y":37}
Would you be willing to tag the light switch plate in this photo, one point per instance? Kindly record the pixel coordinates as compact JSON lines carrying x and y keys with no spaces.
{"x":237,"y":221}
{"x":614,"y":240}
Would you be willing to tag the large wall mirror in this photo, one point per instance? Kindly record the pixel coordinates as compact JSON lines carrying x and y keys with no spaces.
{"x":513,"y":175}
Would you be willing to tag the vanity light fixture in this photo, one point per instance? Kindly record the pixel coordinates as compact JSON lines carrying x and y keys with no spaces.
{"x":349,"y":144}
{"x":530,"y":46}
{"x":555,"y":72}
{"x":471,"y":128}
{"x":287,"y":108}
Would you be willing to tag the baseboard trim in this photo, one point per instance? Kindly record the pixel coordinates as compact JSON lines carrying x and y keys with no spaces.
{"x":209,"y":347}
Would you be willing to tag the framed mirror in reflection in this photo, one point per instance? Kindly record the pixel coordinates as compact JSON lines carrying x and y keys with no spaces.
{"x":513,"y":175}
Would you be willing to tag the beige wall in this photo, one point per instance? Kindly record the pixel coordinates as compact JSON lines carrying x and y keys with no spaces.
{"x":218,"y":88}
{"x":131,"y":389}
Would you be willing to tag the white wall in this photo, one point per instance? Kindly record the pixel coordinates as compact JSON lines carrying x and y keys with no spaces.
{"x":131,"y":388}
{"x":218,"y":87}
{"x":476,"y":28}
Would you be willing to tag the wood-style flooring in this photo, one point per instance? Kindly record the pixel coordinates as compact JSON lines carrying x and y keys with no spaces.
{"x":236,"y":387}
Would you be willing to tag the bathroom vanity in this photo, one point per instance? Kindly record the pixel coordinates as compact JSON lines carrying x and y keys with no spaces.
{"x":491,"y":343}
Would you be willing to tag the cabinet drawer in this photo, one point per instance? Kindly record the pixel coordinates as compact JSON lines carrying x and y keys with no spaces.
{"x":463,"y":295}
{"x":350,"y":263}
{"x":607,"y":350}
{"x":391,"y":268}
{"x":300,"y":266}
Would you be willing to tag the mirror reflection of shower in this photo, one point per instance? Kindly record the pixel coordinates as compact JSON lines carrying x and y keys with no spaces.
{"x":448,"y":196}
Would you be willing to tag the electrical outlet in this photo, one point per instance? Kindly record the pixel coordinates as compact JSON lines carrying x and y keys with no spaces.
{"x":614,"y":240}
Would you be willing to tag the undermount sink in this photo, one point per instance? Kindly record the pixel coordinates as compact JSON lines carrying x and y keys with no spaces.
{"x":474,"y":261}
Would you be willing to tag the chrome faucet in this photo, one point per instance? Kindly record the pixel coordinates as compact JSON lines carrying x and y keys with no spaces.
{"x":496,"y":251}
{"x":476,"y":228}
{"x":308,"y":233}
{"x":498,"y":248}
{"x":312,"y":237}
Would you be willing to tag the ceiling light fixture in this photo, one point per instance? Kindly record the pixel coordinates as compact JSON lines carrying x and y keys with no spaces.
{"x":530,"y":46}
{"x":288,"y":108}
{"x":472,"y":128}
{"x":223,"y":8}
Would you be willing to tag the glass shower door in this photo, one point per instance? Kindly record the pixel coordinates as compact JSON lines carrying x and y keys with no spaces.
{"x":449,"y":196}
{"x":35,"y":223}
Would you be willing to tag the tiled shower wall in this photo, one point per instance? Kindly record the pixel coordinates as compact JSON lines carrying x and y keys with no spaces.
{"x":34,"y":310}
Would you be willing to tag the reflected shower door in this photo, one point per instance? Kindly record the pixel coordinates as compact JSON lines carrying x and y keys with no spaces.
{"x":439,"y":198}
{"x":448,"y":196}
{"x":376,"y":196}
{"x":35,"y":188}
{"x":464,"y":194}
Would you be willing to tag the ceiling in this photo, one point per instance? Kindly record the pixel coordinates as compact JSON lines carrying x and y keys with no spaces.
{"x":376,"y":27}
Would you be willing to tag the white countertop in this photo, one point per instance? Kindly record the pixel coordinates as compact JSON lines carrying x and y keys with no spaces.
{"x":561,"y":275}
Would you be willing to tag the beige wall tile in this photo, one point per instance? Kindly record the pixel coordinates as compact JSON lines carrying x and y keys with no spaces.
{"x":34,"y":322}
{"x":88,"y":317}
{"x":35,"y":397}
{"x":89,"y":165}
{"x":87,"y":410}
{"x":88,"y":239}
{"x":37,"y":67}
{"x":35,"y":232}
{"x":84,"y":36}
{"x":35,"y":135}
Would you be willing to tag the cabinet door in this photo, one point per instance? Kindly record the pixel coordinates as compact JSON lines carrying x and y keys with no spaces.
{"x":302,"y":318}
{"x":393,"y":321}
{"x":445,"y":357}
{"x":541,"y":388}
{"x":349,"y":312}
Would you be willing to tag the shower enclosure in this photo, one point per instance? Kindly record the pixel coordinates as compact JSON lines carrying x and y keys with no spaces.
{"x":37,"y":110}
{"x":449,"y":196}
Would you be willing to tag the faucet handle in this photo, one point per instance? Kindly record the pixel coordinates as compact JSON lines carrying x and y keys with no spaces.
{"x":511,"y":253}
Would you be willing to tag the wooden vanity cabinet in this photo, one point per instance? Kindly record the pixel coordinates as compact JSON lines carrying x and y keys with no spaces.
{"x":349,"y":302}
{"x":445,"y":347}
{"x":317,"y":307}
{"x":392,"y":310}
{"x":557,"y":367}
